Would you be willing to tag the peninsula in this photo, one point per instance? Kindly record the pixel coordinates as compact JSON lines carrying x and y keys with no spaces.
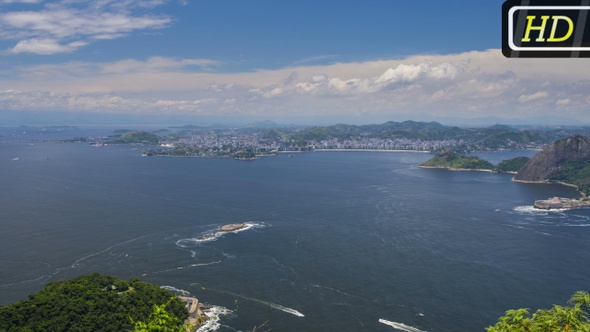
{"x":567,"y":162}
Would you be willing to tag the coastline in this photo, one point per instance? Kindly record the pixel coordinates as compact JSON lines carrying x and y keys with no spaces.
{"x":460,"y":169}
{"x":292,"y":152}
{"x":546,"y":182}
{"x":365,"y":150}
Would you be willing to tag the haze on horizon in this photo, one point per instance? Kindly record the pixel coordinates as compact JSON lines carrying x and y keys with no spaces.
{"x":304,"y":62}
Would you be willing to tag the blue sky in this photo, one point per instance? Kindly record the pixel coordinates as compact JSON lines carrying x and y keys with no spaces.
{"x":354,"y":61}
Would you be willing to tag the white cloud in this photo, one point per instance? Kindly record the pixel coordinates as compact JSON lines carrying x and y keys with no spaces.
{"x":155,"y":64}
{"x":470,"y":84}
{"x":66,"y":23}
{"x":411,"y":73}
{"x":19,"y":1}
{"x":45,"y":46}
{"x":534,"y":96}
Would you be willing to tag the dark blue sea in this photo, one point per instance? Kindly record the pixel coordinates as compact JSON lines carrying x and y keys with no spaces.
{"x":339,"y":241}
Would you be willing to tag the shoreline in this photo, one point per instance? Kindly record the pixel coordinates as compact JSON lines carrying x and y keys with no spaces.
{"x":368,"y":150}
{"x":460,"y":169}
{"x":547,"y":182}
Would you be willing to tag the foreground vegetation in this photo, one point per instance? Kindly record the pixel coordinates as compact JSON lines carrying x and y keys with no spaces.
{"x":94,"y":303}
{"x":573,"y":318}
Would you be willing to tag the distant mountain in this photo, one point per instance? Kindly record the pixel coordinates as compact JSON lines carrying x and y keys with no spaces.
{"x":262,"y":124}
{"x":566,"y":160}
{"x":473,"y":139}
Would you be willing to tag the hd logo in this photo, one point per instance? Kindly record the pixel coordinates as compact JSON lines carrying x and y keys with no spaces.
{"x":545,"y":28}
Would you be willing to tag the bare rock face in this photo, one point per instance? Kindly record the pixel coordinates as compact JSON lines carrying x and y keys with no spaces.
{"x":549,"y":160}
{"x":232,"y":227}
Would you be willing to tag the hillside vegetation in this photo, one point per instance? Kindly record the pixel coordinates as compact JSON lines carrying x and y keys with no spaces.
{"x":566,"y":160}
{"x":572,"y":318}
{"x":137,"y":137}
{"x":448,"y":158}
{"x":89,"y":303}
{"x":512,"y":165}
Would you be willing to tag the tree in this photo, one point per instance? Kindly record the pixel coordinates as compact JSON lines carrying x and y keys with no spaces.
{"x":574,"y":318}
{"x":161,"y":320}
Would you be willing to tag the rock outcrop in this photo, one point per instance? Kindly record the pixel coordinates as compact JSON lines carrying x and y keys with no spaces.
{"x":548,"y":161}
{"x":232,"y":227}
{"x":562,"y":203}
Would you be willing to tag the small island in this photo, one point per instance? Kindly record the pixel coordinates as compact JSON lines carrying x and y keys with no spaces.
{"x":453,"y":161}
{"x":223,"y":230}
{"x":233,"y":227}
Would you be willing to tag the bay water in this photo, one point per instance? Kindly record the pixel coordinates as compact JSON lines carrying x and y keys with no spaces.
{"x":339,"y":241}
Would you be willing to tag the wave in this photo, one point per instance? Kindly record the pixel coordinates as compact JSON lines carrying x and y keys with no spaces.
{"x":533,"y":210}
{"x":177,"y":291}
{"x":213,"y":235}
{"x":182,"y":267}
{"x":76,"y":263}
{"x":266,"y":303}
{"x":214,"y":314}
{"x":400,"y":326}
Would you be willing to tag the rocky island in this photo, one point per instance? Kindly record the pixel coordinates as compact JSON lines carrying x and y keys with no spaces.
{"x":223,"y":230}
{"x":562,"y":203}
{"x":232,"y":227}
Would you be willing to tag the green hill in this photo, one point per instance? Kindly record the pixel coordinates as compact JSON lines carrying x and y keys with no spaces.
{"x":89,"y":303}
{"x":137,"y":137}
{"x":512,"y":165}
{"x":450,"y":159}
{"x":566,"y":160}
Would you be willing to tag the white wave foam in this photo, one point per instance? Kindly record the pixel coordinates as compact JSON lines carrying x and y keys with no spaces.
{"x":533,"y":210}
{"x":282,"y":308}
{"x":269,"y":304}
{"x":182,"y":267}
{"x":176,"y":290}
{"x":76,"y":263}
{"x":213,"y":235}
{"x":214,"y":314}
{"x":400,"y":326}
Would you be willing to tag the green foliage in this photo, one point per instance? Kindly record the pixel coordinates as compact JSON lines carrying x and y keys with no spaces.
{"x":161,"y":320}
{"x":574,"y":318}
{"x":574,"y":172}
{"x":88,"y":303}
{"x":512,"y":165}
{"x":450,"y":159}
{"x":137,"y":137}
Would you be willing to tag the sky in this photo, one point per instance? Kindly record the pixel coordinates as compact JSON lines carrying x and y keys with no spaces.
{"x":306,"y":61}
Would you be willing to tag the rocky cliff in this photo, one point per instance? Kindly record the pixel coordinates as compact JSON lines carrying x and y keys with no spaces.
{"x":553,"y":157}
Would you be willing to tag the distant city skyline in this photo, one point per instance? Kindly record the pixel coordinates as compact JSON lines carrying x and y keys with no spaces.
{"x":290,"y":62}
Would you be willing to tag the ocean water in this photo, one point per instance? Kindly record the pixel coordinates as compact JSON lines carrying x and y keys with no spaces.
{"x":339,"y":241}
